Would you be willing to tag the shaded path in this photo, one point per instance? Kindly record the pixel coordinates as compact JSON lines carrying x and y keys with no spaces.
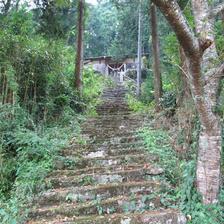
{"x":110,"y":179}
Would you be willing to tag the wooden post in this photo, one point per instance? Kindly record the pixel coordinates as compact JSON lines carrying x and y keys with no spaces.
{"x":107,"y":70}
{"x":121,"y":76}
{"x":125,"y":67}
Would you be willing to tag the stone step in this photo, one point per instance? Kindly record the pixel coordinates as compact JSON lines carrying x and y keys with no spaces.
{"x":109,"y":135}
{"x":99,"y":192}
{"x":103,"y":152}
{"x":113,"y":108}
{"x":115,"y":103}
{"x":162,"y":216}
{"x":116,"y":130}
{"x":117,"y":113}
{"x":98,"y":169}
{"x":97,"y":139}
{"x":114,"y":122}
{"x":114,"y":140}
{"x":71,"y":162}
{"x":120,"y":176}
{"x":120,"y":130}
{"x":121,"y":117}
{"x":116,"y":92}
{"x":115,"y":125}
{"x":112,"y":99}
{"x":113,"y":111}
{"x":117,"y":205}
{"x":104,"y":146}
{"x":103,"y":119}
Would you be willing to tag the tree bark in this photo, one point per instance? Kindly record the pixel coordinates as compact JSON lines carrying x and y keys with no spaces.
{"x":139,"y":66}
{"x":156,"y":58}
{"x":185,"y":92}
{"x":200,"y":52}
{"x":7,"y":6}
{"x":79,"y":51}
{"x":209,"y":155}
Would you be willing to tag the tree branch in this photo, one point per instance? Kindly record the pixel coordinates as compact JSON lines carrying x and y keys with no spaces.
{"x":216,"y":10}
{"x":178,"y":22}
{"x":219,"y":71}
{"x":3,"y":2}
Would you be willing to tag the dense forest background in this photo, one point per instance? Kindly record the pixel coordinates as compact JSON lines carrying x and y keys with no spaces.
{"x":41,"y":111}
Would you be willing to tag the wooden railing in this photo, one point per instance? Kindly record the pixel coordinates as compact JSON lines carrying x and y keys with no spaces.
{"x":120,"y":76}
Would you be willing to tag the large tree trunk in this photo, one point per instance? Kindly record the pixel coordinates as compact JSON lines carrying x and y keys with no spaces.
{"x":156,"y":58}
{"x":79,"y":51}
{"x":209,"y":155}
{"x":204,"y":80}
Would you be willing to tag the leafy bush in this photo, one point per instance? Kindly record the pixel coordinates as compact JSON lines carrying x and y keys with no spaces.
{"x":168,"y":100}
{"x":191,"y":204}
{"x":147,"y":95}
{"x":137,"y":105}
{"x":158,"y":143}
{"x":26,"y":158}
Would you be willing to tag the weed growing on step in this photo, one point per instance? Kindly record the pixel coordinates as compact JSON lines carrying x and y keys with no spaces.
{"x":87,"y":180}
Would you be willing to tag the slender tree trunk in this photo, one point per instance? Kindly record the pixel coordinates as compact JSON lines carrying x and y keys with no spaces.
{"x":139,"y":67}
{"x":17,"y":5}
{"x":4,"y":85}
{"x":79,"y":51}
{"x":1,"y":84}
{"x":156,"y":58}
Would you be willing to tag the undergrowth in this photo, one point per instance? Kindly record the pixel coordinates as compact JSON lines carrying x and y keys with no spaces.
{"x":137,"y":105}
{"x":26,"y":157}
{"x":28,"y":148}
{"x":181,"y":174}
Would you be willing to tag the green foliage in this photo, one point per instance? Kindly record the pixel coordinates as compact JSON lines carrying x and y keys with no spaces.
{"x":27,"y":155}
{"x":101,"y":29}
{"x":191,"y":204}
{"x":147,"y":94}
{"x":181,"y":173}
{"x":137,"y":105}
{"x":168,"y":101}
{"x":219,"y":28}
{"x":46,"y":110}
{"x":93,"y":85}
{"x":158,"y":143}
{"x":55,"y":19}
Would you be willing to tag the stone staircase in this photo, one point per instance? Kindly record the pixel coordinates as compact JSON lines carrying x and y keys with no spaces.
{"x":110,"y":179}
